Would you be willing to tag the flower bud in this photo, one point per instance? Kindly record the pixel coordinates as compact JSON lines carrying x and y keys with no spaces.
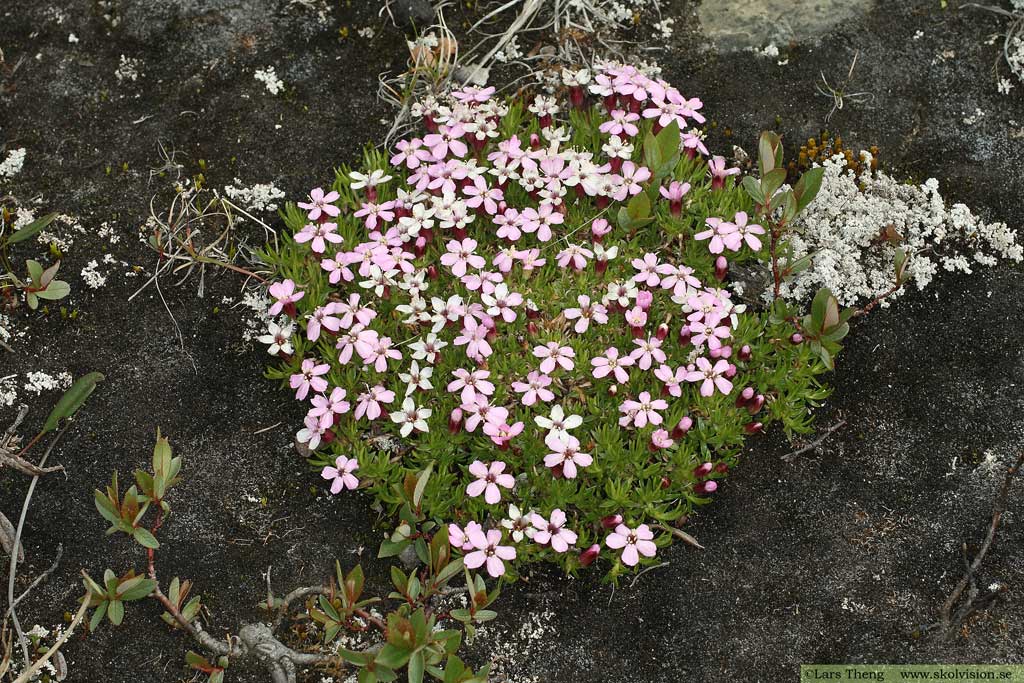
{"x":753,"y":428}
{"x":532,"y":312}
{"x":328,"y":436}
{"x":726,"y":352}
{"x":531,"y":328}
{"x":682,"y":427}
{"x":455,"y":421}
{"x":754,"y":407}
{"x":730,"y":371}
{"x":432,"y":271}
{"x":704,"y":470}
{"x":615,"y":164}
{"x":715,"y":353}
{"x":721,"y":268}
{"x":588,"y":556}
{"x":611,"y":521}
{"x":576,"y":96}
{"x":665,"y":482}
{"x":600,"y":266}
{"x":534,"y":141}
{"x":745,"y":396}
{"x":722,"y":468}
{"x":644,"y":299}
{"x":661,"y":332}
{"x":745,"y":353}
{"x":709,"y":486}
{"x":684,"y":334}
{"x":796,"y":338}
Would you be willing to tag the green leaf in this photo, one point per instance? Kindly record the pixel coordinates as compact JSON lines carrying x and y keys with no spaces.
{"x":900,"y":263}
{"x":391,"y":548}
{"x":35,"y":272}
{"x":138,"y":590}
{"x":392,"y":657}
{"x":49,"y":274}
{"x":772,"y":181}
{"x":97,"y":616}
{"x":769,"y":152}
{"x":106,"y":508}
{"x":32,"y":229}
{"x":58,"y":289}
{"x":421,"y":484}
{"x":72,"y":400}
{"x":217,"y":676}
{"x":818,"y":308}
{"x":416,"y":666}
{"x":753,"y":188}
{"x":145,"y":538}
{"x":807,"y":187}
{"x":116,"y":612}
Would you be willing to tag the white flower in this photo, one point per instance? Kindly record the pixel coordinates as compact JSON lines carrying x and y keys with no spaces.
{"x":427,"y":348}
{"x":518,"y":524}
{"x":411,"y":417}
{"x":375,"y":178}
{"x":416,"y":378}
{"x":557,"y":423}
{"x":279,"y":338}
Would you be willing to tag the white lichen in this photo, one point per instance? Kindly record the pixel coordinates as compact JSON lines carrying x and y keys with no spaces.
{"x":258,"y":197}
{"x":128,"y":70}
{"x":37,"y":382}
{"x":270,"y":79}
{"x":11,"y":165}
{"x":854,"y":226}
{"x":92,"y":276}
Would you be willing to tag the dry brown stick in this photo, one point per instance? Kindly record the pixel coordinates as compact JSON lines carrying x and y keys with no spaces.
{"x":790,"y":457}
{"x":30,"y":672}
{"x":949,"y":621}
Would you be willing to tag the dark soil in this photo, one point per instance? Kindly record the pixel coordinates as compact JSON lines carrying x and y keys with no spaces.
{"x":837,"y":557}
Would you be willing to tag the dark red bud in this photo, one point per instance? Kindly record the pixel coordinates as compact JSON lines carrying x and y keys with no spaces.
{"x":600,"y":266}
{"x":721,"y":468}
{"x":745,"y":396}
{"x":328,"y":436}
{"x":755,"y":405}
{"x":588,"y":556}
{"x":665,"y":482}
{"x":682,"y":427}
{"x":531,"y":328}
{"x":704,"y":470}
{"x":745,"y":353}
{"x":753,"y":428}
{"x":661,"y":332}
{"x":685,"y":334}
{"x":611,"y":521}
{"x":455,"y":421}
{"x":432,"y":271}
{"x":709,"y":486}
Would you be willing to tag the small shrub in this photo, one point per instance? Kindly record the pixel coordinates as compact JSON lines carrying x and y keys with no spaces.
{"x":532,"y":304}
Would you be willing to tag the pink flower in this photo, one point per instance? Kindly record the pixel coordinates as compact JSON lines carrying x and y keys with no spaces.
{"x":540,"y":220}
{"x":565,"y":454}
{"x":661,"y":439}
{"x":717,"y":231}
{"x":612,"y":363}
{"x":709,"y":331}
{"x":341,"y":474}
{"x":647,"y":270}
{"x":460,"y":255}
{"x":553,"y":531}
{"x":313,"y":431}
{"x":319,"y":203}
{"x":718,"y":171}
{"x":642,"y":411}
{"x":368,"y":403}
{"x":333,"y":405}
{"x":323,"y":316}
{"x":309,"y":376}
{"x":501,"y":434}
{"x":469,"y":383}
{"x":674,"y":193}
{"x":647,"y":351}
{"x":710,"y":376}
{"x":488,"y":479}
{"x":634,"y":542}
{"x":748,"y":233}
{"x":534,"y":388}
{"x":575,"y":255}
{"x":375,"y":350}
{"x":317,"y":233}
{"x":501,"y":303}
{"x":481,"y":195}
{"x":621,"y":122}
{"x":338,"y":267}
{"x":554,"y":354}
{"x":474,"y":338}
{"x":636,"y":317}
{"x":672,"y":379}
{"x":459,"y":538}
{"x":488,"y":551}
{"x":585,"y":313}
{"x":373,"y":213}
{"x":284,"y":294}
{"x":677,"y":278}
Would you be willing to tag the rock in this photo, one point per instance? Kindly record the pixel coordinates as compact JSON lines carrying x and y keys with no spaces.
{"x":412,"y":14}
